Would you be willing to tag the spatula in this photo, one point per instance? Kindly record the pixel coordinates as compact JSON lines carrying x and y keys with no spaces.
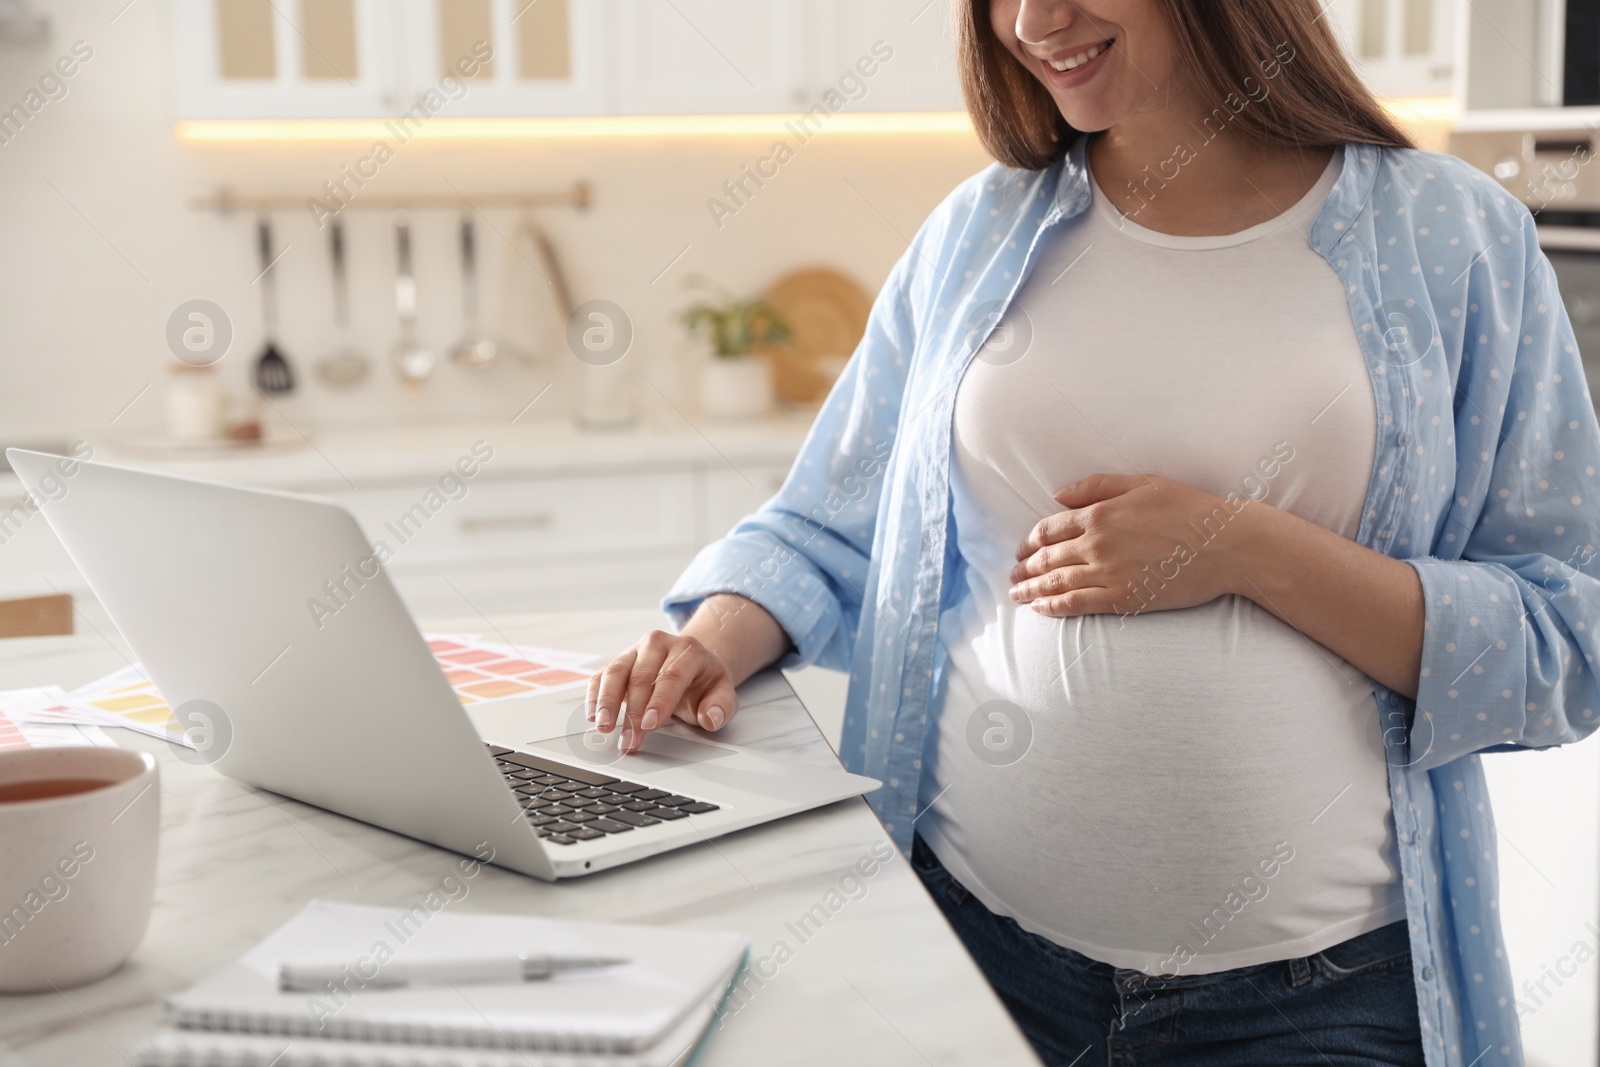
{"x":273,"y":375}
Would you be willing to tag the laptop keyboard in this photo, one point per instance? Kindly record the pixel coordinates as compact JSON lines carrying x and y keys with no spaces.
{"x":566,"y":804}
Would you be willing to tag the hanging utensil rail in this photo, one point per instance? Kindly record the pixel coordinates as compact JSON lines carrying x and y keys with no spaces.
{"x":225,"y":200}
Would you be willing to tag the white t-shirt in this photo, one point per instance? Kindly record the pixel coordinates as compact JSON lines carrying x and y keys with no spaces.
{"x":1179,"y":791}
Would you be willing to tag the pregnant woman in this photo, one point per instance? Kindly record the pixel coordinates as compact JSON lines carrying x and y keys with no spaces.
{"x":1215,"y":480}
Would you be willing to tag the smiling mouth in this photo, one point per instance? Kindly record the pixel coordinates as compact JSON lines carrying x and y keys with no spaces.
{"x":1073,"y":62}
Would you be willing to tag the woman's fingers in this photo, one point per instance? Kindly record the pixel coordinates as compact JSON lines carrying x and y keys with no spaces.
{"x":653,"y":650}
{"x":1053,"y":583}
{"x":1098,"y":487}
{"x":610,"y":686}
{"x":1062,"y":526}
{"x":718,"y":704}
{"x":1090,"y":600}
{"x":592,"y":694}
{"x":680,"y":670}
{"x":663,"y":676}
{"x":1048,"y":558}
{"x":693,"y":686}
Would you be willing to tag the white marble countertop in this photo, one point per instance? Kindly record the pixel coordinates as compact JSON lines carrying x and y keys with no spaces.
{"x":883,"y":982}
{"x":364,"y":458}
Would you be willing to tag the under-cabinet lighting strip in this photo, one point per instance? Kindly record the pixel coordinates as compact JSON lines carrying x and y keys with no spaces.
{"x":491,"y":129}
{"x":1435,"y":109}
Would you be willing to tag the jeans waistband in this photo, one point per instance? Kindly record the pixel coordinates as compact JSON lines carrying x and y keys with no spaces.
{"x":1391,"y":939}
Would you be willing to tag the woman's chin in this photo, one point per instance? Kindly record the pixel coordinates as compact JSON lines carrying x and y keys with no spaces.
{"x":1087,"y":116}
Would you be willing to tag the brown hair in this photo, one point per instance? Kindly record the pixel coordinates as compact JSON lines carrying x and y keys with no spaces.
{"x":1315,"y":98}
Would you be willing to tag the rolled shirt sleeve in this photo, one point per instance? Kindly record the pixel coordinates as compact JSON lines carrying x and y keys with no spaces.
{"x":1509,"y":647}
{"x":803,"y":556}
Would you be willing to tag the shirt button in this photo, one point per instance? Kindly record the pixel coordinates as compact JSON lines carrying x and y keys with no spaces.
{"x":1427,"y":974}
{"x":1405,"y":837}
{"x":1404,"y":439}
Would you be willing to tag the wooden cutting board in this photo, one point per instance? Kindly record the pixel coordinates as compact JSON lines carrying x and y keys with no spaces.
{"x":827,"y":313}
{"x":36,"y":616}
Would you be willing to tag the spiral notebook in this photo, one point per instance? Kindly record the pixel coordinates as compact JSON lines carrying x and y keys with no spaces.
{"x":649,"y":1012}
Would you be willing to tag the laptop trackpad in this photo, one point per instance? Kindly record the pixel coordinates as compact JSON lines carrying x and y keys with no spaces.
{"x":660,"y":751}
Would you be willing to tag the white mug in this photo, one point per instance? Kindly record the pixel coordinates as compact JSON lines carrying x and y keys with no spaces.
{"x":77,"y":869}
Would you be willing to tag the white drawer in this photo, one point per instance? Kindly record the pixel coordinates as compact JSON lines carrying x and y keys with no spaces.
{"x":528,"y":520}
{"x":733,"y":494}
{"x":605,"y":583}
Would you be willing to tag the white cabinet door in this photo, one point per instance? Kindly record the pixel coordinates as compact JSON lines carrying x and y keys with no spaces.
{"x":460,"y":591}
{"x":708,"y":56}
{"x":250,"y":59}
{"x":1401,"y":47}
{"x":886,"y":55}
{"x":380,"y":58}
{"x":545,"y":57}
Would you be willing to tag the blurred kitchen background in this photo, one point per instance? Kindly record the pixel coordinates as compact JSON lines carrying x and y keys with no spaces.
{"x":332,"y":245}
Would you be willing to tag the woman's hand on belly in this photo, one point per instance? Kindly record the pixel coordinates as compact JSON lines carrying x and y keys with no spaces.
{"x":1128,"y":544}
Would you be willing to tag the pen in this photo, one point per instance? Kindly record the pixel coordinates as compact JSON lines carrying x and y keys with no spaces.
{"x":473,"y":970}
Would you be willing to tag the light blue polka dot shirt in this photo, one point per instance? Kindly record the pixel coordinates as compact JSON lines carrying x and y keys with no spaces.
{"x":1484,"y":480}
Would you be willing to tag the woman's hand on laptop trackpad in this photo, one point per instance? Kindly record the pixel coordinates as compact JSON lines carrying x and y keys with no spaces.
{"x":662,"y":677}
{"x":689,"y":675}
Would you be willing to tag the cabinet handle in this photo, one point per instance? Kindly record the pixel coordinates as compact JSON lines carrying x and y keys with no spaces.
{"x":504,"y":523}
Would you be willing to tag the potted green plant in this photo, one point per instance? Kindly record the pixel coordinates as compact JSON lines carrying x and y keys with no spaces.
{"x":737,"y":381}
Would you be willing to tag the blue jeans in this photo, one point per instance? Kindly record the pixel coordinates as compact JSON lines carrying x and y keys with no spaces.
{"x":1351,"y":1005}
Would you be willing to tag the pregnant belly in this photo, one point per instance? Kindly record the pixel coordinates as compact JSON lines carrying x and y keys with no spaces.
{"x":1155,"y":760}
{"x":1216,"y":701}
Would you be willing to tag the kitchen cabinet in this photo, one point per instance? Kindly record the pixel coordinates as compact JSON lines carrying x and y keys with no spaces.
{"x":1513,"y":54}
{"x":253,"y":59}
{"x":919,"y":75}
{"x":710,"y":56}
{"x":739,"y":56}
{"x":376,"y":59}
{"x":570,"y":543}
{"x":547,"y":56}
{"x":536,"y":518}
{"x":1400,"y":47}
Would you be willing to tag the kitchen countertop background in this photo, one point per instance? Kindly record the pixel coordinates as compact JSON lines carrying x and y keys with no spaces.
{"x":338,"y":459}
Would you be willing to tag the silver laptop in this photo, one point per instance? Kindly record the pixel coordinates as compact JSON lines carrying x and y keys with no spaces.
{"x":211,"y":583}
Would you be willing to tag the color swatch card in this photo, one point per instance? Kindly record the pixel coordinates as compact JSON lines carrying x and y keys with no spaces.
{"x":51,"y":735}
{"x":26,"y":721}
{"x":129,"y":699}
{"x":43,"y":704}
{"x":479,"y":671}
